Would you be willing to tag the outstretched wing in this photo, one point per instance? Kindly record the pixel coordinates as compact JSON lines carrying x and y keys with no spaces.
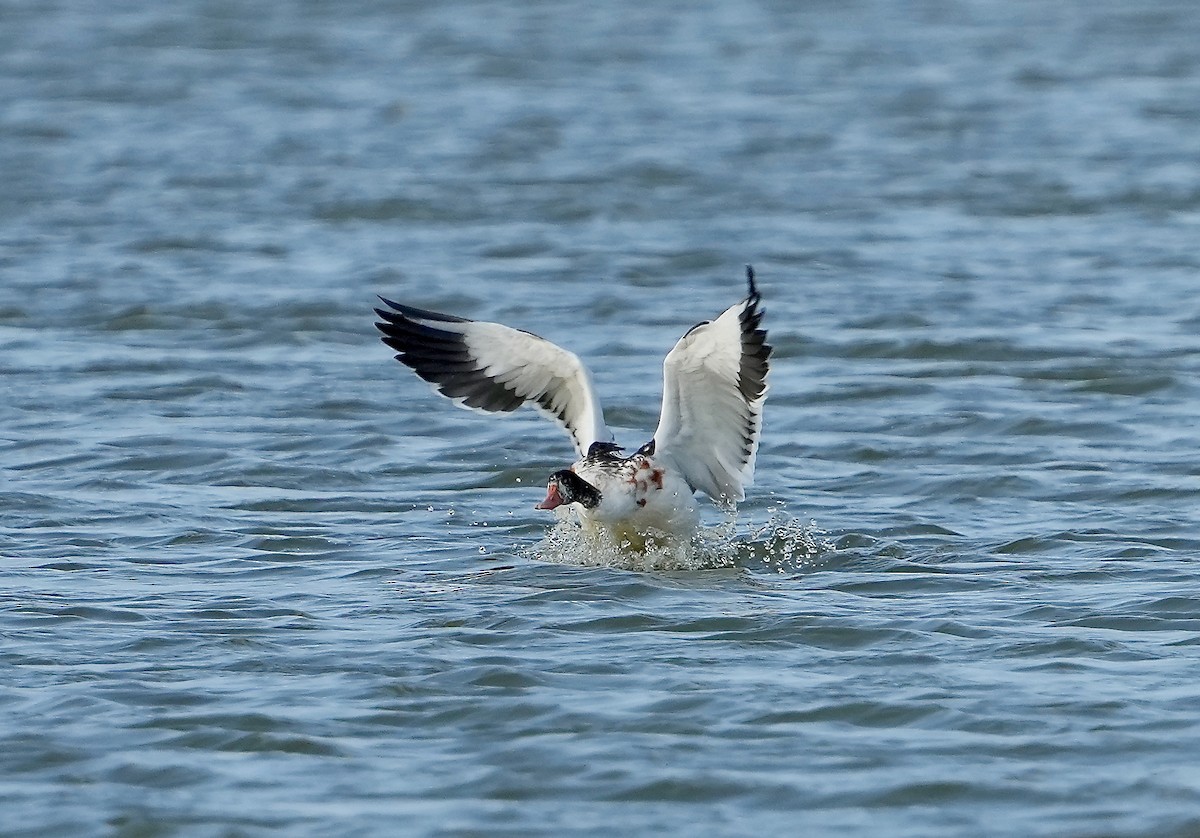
{"x":490,"y":367}
{"x":714,"y":386}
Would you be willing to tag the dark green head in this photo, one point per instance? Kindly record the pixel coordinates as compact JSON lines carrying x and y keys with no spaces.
{"x":568,"y":487}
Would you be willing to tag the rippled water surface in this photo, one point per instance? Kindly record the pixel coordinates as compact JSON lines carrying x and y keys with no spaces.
{"x":258,"y":580}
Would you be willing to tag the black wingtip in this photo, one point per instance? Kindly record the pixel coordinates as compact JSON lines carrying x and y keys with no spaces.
{"x":412,"y":313}
{"x":389,"y":318}
{"x":756,"y":352}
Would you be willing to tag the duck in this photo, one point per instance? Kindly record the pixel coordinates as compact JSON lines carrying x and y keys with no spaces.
{"x":714,"y":390}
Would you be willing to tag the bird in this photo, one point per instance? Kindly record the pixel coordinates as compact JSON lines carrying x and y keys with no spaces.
{"x":714,"y":389}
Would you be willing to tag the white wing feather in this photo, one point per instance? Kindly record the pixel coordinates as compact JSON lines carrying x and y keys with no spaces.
{"x":553,"y":379}
{"x":714,"y":387}
{"x":491,"y":367}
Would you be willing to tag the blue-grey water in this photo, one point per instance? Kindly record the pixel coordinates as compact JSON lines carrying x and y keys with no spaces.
{"x":258,"y":580}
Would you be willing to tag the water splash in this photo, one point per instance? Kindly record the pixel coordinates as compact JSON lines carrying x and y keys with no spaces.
{"x":782,"y":544}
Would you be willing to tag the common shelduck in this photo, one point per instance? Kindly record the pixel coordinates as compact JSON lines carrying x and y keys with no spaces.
{"x":714,"y":387}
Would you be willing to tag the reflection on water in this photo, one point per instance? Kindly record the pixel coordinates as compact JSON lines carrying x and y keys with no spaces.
{"x":710,"y":546}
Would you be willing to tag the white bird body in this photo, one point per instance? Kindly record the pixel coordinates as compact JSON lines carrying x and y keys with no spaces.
{"x":639,"y":497}
{"x":714,"y":387}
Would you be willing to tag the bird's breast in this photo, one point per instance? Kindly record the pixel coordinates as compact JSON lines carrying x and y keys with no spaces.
{"x":635,"y":488}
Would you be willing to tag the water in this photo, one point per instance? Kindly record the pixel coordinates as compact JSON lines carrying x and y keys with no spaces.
{"x":257,"y":580}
